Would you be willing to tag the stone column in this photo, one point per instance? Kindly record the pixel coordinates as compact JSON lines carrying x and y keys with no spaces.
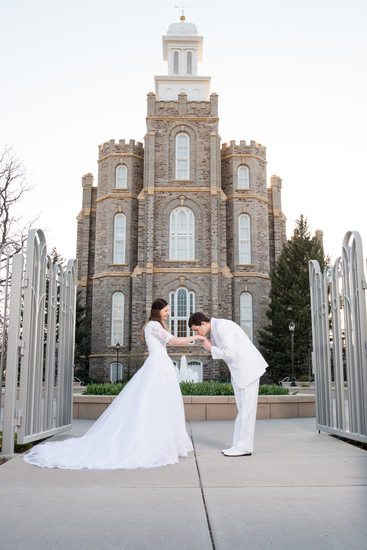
{"x":214,"y":195}
{"x":150,"y":175}
{"x":83,"y":233}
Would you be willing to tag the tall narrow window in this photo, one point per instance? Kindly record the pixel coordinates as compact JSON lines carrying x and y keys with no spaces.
{"x":182,"y":156}
{"x":182,"y":231}
{"x":182,"y":305}
{"x":175,"y":62}
{"x":246,"y":313}
{"x":121,"y":177}
{"x":119,"y":238}
{"x":117,"y":329}
{"x":189,"y":62}
{"x":244,"y":239}
{"x":243,"y":178}
{"x":115,"y":372}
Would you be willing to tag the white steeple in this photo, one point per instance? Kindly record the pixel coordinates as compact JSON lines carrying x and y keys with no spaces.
{"x":182,"y":48}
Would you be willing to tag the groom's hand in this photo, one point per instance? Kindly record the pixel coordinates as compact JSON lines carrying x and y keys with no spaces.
{"x":207,"y":345}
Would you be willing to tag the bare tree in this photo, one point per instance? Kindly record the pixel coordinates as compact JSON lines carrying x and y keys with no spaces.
{"x":13,"y":229}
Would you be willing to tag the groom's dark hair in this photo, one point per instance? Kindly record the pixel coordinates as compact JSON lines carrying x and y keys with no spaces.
{"x":197,"y":318}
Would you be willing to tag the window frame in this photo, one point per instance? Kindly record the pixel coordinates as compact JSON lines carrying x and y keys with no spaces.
{"x":118,"y":370}
{"x":244,"y":242}
{"x":194,"y":362}
{"x":182,"y":175}
{"x":189,"y":58}
{"x":114,"y":320}
{"x":174,"y":319}
{"x":241,"y":168}
{"x":118,"y":169}
{"x":175,"y":238}
{"x":176,"y":56}
{"x":117,"y":239}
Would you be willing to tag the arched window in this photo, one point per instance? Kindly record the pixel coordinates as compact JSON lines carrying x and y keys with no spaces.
{"x":182,"y":231}
{"x":119,"y":238}
{"x":117,"y":328}
{"x":182,"y":304}
{"x":246,"y":313}
{"x":189,"y":62}
{"x":244,"y":239}
{"x":182,"y":156}
{"x":115,"y":372}
{"x":243,"y":178}
{"x":121,"y":177}
{"x":197,"y":370}
{"x":175,"y":62}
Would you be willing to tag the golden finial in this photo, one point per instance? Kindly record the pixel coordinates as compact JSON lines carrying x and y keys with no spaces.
{"x":182,"y":8}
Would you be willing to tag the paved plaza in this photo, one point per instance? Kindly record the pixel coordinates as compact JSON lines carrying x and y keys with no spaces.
{"x":300,"y":490}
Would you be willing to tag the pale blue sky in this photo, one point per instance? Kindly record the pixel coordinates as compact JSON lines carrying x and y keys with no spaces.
{"x":290,"y":75}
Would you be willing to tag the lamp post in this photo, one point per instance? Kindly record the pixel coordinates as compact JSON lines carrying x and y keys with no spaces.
{"x":291,"y":327}
{"x":117,"y":361}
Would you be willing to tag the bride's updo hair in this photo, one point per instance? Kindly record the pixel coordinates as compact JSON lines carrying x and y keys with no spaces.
{"x":157,"y":306}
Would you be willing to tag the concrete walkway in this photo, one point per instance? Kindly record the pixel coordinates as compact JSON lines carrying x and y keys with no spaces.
{"x":299,"y":490}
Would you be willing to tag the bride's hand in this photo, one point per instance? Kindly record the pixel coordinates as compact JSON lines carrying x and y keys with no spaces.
{"x":198,"y":337}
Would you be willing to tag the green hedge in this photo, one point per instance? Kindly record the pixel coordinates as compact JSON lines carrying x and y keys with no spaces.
{"x":188,"y":388}
{"x":18,"y":447}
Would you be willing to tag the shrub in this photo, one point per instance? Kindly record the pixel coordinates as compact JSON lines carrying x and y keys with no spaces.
{"x":206,"y":388}
{"x":104,"y":389}
{"x":272,"y":389}
{"x":188,"y":388}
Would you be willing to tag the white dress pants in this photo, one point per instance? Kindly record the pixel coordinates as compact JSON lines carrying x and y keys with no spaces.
{"x":244,"y":426}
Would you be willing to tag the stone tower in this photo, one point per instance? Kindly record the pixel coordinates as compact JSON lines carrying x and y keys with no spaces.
{"x":180,"y":217}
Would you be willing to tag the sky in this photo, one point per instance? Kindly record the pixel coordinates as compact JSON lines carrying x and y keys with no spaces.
{"x":290,"y":75}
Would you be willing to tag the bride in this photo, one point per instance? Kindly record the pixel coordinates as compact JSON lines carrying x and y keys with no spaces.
{"x":144,"y":427}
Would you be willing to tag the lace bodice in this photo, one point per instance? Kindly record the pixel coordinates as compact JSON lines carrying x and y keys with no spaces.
{"x":156,"y":337}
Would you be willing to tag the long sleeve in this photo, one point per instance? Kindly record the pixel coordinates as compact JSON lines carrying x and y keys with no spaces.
{"x":226,"y":350}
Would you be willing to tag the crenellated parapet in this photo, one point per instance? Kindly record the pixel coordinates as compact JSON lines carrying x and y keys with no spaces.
{"x":121,"y":147}
{"x":182,"y":107}
{"x":243,"y":148}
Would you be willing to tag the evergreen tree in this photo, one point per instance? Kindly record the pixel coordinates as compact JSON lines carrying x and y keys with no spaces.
{"x":56,"y":257}
{"x":290,"y":302}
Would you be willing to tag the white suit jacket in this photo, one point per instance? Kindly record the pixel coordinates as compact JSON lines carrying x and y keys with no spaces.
{"x":231,"y":343}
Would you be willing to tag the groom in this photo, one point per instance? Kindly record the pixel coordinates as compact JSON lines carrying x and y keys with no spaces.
{"x":246,"y":364}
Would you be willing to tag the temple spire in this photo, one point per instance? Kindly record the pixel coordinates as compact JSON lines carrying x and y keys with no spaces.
{"x":182,"y":49}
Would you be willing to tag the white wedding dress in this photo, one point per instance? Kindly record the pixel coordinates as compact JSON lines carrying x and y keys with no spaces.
{"x":144,"y":427}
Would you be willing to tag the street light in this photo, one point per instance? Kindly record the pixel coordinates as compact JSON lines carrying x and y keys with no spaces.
{"x":291,"y":327}
{"x":117,"y":362}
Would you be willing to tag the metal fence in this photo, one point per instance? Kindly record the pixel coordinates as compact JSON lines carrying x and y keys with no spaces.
{"x":339,"y":331}
{"x":39,"y":346}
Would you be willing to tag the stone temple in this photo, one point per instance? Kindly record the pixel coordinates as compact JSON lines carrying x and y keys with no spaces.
{"x":182,"y":217}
